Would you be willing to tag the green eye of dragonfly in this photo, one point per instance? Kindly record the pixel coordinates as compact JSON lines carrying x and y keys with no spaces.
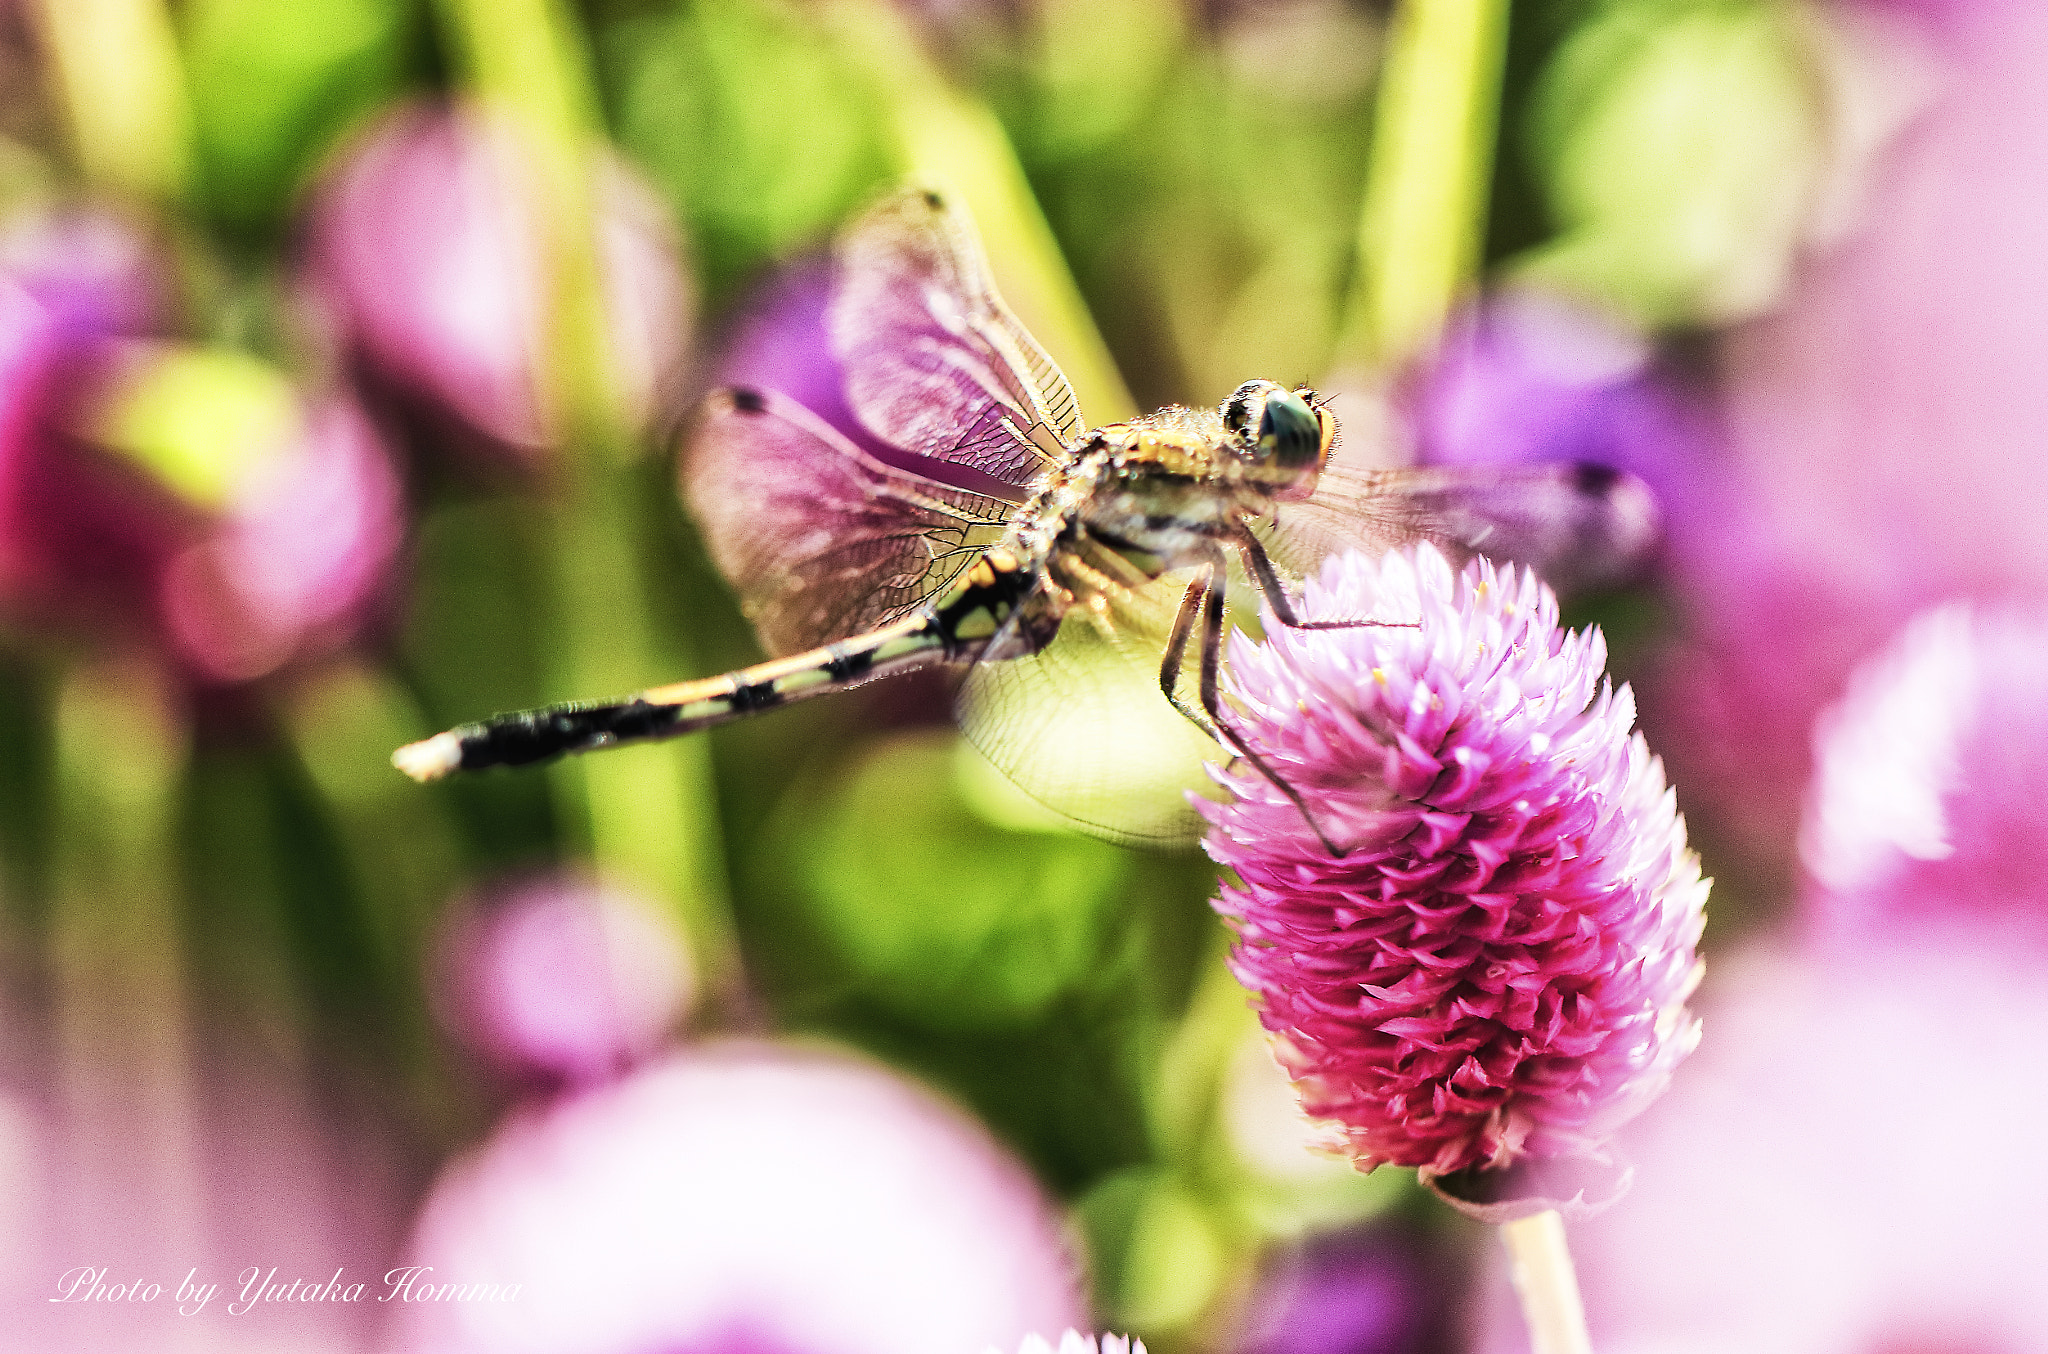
{"x":1289,"y":432}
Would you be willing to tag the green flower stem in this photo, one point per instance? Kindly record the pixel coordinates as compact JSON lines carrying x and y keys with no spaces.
{"x":1541,"y":1268}
{"x":119,"y":81}
{"x":118,"y":956}
{"x":1419,"y":230}
{"x":946,"y":136}
{"x":651,"y":814}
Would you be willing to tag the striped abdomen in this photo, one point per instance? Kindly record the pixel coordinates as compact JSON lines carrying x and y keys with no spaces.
{"x":955,"y":629}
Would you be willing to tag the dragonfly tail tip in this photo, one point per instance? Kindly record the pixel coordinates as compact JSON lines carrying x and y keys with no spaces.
{"x":430,"y":758}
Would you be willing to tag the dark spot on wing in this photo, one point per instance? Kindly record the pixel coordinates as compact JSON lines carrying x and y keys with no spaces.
{"x":749,"y":401}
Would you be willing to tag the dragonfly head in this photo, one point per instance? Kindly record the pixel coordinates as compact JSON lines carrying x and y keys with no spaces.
{"x":1285,"y":433}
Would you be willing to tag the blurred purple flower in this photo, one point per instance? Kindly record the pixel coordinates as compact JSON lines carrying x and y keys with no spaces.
{"x":1497,"y":968}
{"x":93,"y":273}
{"x":1930,"y":781}
{"x":1380,"y":1289}
{"x":562,"y":979}
{"x":1528,"y":377}
{"x":742,"y":1197}
{"x":1851,"y":1164}
{"x":429,"y":241}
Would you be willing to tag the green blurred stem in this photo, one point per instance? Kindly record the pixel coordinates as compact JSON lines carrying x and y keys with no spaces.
{"x":653,"y":817}
{"x":946,"y":136}
{"x":1192,"y":1070}
{"x":119,"y":80}
{"x":1420,"y":228}
{"x":651,"y":812}
{"x":117,"y":956}
{"x":403,"y":850}
{"x":527,"y":65}
{"x":1541,"y":1267}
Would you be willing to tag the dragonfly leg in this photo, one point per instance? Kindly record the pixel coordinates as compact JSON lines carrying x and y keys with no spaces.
{"x":1263,"y":573}
{"x":1210,"y":588}
{"x":1176,"y":652}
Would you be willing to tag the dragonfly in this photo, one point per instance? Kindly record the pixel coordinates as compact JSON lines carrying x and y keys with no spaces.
{"x":944,"y":503}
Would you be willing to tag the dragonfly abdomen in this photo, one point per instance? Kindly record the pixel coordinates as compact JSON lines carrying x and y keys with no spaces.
{"x":953,"y":629}
{"x":528,"y":736}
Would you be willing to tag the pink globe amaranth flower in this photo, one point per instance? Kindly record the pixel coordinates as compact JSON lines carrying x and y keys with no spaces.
{"x":429,"y":243}
{"x":1073,"y":1342}
{"x":1494,"y":973}
{"x":1930,"y":781}
{"x":741,"y":1196}
{"x":563,"y":979}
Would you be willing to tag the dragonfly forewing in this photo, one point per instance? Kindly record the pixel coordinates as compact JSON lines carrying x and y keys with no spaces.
{"x":823,"y":540}
{"x":1580,"y":526}
{"x":935,"y":363}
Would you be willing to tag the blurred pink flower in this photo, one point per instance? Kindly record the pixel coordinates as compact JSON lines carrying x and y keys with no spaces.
{"x":291,"y":564}
{"x":1883,"y":449}
{"x":1930,"y":794}
{"x":429,"y":242}
{"x":1851,"y":1165}
{"x":1497,"y":968}
{"x":77,"y":531}
{"x":742,"y":1197}
{"x":300,"y":558}
{"x":563,"y":979}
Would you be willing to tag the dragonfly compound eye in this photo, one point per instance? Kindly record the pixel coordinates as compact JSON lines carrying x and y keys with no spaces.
{"x":1245,"y":408}
{"x":1290,"y":434}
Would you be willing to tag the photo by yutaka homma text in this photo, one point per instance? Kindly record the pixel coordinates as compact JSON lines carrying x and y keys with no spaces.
{"x":254,"y":1285}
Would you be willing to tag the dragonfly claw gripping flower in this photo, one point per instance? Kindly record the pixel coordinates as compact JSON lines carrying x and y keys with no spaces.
{"x":1495,"y":972}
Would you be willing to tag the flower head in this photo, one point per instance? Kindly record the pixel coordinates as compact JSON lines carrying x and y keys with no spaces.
{"x":1073,"y":1342}
{"x":1929,"y":778}
{"x":1496,"y":968}
{"x":562,"y":979}
{"x":1852,"y":1163}
{"x":429,"y":242}
{"x":742,"y":1197}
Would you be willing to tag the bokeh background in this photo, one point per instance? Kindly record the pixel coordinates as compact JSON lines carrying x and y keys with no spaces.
{"x":345,"y":348}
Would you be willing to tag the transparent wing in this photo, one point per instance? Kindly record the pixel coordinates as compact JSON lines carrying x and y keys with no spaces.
{"x":935,"y":362}
{"x":1083,"y":727}
{"x":1579,"y":526}
{"x":822,"y":540}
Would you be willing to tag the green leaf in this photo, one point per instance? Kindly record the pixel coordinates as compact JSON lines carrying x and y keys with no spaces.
{"x":942,"y":916}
